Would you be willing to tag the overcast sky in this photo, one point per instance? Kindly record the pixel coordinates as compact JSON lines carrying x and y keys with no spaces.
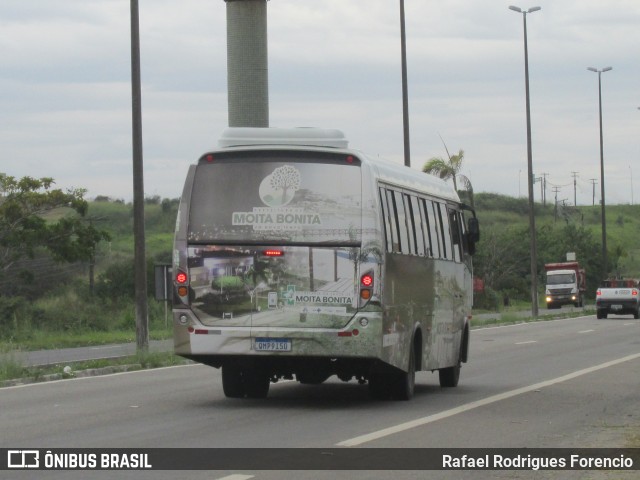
{"x":65,"y":94}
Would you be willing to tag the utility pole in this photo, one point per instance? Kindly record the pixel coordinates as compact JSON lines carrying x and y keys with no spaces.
{"x":139,"y":255}
{"x":555,"y":207}
{"x":405,"y":90}
{"x":575,"y":201}
{"x":544,"y":189}
{"x":594,"y":181}
{"x":532,"y":219}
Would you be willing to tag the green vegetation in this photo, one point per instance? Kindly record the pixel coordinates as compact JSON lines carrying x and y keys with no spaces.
{"x":51,"y":303}
{"x":503,"y":255}
{"x":55,"y":304}
{"x":10,"y":369}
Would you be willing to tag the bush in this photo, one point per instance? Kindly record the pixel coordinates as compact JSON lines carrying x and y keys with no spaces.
{"x":489,"y":299}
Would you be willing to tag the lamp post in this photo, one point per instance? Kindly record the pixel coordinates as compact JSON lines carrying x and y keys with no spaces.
{"x":139,"y":256}
{"x":532,"y":220}
{"x":405,"y":94}
{"x":605,"y":270}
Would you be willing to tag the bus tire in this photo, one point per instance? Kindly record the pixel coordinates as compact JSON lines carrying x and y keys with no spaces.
{"x":450,"y":376}
{"x":636,"y":314}
{"x":256,"y":383}
{"x":232,"y":382}
{"x":379,"y":386}
{"x":404,"y":383}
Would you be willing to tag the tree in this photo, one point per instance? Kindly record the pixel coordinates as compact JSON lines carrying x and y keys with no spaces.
{"x":450,"y":169}
{"x":27,"y":222}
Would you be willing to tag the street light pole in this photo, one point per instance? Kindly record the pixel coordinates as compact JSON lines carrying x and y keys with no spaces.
{"x":139,"y":256}
{"x":605,"y":269}
{"x":405,"y":90}
{"x":532,"y":219}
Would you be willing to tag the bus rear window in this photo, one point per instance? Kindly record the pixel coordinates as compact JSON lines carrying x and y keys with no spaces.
{"x":276,"y":197}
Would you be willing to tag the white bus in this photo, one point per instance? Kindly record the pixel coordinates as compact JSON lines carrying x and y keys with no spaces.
{"x":297,"y":257}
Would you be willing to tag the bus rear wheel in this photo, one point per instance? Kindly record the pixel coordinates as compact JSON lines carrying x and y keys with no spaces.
{"x":404,"y":383}
{"x":240,"y":382}
{"x":232,"y":383}
{"x":449,"y":376}
{"x":256,"y":383}
{"x":388,"y":382}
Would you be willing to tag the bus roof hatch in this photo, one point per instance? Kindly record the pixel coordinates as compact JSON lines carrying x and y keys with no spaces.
{"x":251,"y":136}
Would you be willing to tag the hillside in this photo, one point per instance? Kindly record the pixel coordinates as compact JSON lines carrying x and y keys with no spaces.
{"x":623,"y":225}
{"x":502,"y":259}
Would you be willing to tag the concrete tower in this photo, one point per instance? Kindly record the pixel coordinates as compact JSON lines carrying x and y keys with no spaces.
{"x":247,"y":63}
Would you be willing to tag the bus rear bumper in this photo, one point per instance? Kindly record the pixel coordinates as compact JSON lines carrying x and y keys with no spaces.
{"x":355,"y":341}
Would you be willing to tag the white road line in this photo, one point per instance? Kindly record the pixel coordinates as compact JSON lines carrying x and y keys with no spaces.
{"x":385,"y":432}
{"x":528,"y":341}
{"x":587,"y":331}
{"x":133,"y":372}
{"x":481,"y":328}
{"x":236,"y":476}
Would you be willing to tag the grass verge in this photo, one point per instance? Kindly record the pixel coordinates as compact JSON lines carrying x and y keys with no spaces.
{"x":11,"y":372}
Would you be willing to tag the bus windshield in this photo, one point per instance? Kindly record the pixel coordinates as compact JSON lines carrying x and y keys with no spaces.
{"x":277,"y":197}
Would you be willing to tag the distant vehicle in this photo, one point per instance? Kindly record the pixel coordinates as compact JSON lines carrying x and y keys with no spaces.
{"x":295,"y":256}
{"x":619,"y":297}
{"x":566,"y":284}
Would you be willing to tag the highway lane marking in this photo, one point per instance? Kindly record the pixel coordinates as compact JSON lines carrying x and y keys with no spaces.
{"x":385,"y":432}
{"x":148,"y":370}
{"x":587,"y":331}
{"x":482,"y":328}
{"x":528,"y":341}
{"x":236,"y":476}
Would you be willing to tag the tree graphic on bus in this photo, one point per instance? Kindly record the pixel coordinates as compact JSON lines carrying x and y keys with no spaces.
{"x":278,"y":189}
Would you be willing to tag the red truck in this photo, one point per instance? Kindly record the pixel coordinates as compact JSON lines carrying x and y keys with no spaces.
{"x":566,"y":284}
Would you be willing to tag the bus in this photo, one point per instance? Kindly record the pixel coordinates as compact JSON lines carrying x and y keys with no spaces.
{"x":296,"y":257}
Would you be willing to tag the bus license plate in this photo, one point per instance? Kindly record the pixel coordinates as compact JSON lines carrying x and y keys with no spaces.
{"x":616,"y":307}
{"x":272,"y":345}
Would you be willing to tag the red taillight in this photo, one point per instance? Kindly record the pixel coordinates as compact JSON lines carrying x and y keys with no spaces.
{"x":349,"y":159}
{"x":634,"y":292}
{"x":366,"y":286}
{"x":209,"y":158}
{"x":273,"y":253}
{"x":181,"y":277}
{"x":598,"y":293}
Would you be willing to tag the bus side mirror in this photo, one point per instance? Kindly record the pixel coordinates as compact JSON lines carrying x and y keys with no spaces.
{"x":473,"y":234}
{"x":473,"y":229}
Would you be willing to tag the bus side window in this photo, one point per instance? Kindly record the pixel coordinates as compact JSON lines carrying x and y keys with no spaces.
{"x":425,"y":228}
{"x":393,"y":223}
{"x":410,"y":224}
{"x":386,"y":219}
{"x":444,"y":230}
{"x":417,"y":216}
{"x":456,"y":236}
{"x":433,"y":229}
{"x":402,"y":223}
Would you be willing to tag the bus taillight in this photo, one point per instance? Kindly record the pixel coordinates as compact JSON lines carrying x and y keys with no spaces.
{"x":272,"y":253}
{"x":366,"y":285}
{"x":182,"y":279}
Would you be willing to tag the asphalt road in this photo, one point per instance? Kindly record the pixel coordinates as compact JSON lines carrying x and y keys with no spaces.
{"x":563,"y":383}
